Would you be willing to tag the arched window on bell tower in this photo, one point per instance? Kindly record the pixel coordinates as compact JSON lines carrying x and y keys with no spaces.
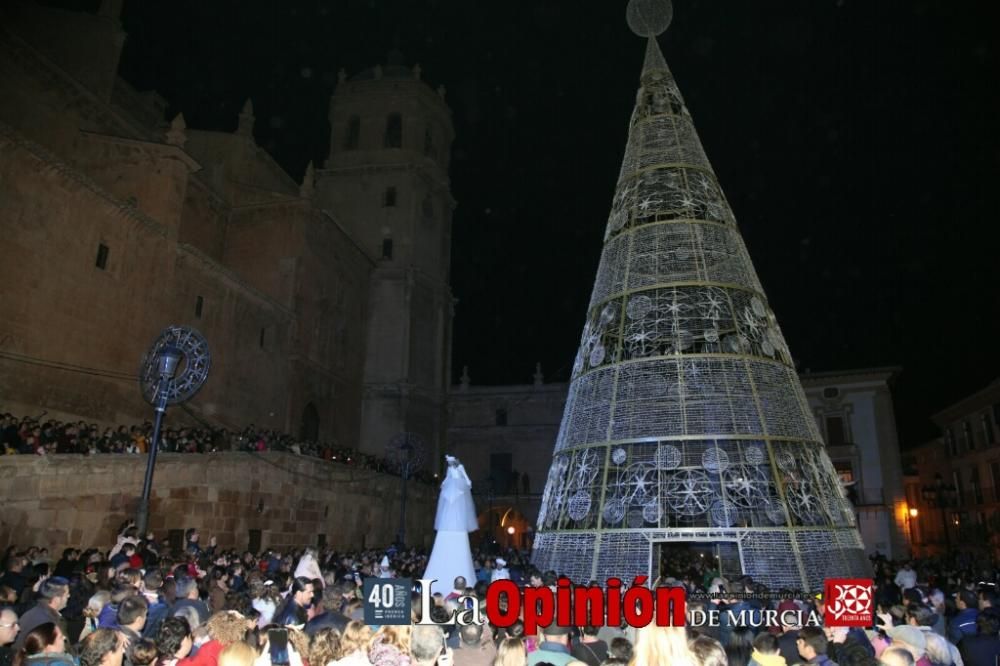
{"x":394,"y":131}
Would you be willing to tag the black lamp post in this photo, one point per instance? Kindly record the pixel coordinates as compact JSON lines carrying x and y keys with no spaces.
{"x":167,"y":360}
{"x":941,"y":495}
{"x":163,"y":385}
{"x":405,"y":463}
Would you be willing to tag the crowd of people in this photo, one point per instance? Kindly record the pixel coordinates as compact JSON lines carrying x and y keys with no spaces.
{"x":139,"y":604}
{"x":35,"y":436}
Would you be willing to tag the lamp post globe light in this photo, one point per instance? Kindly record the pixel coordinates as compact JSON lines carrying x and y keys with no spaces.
{"x":173,"y":370}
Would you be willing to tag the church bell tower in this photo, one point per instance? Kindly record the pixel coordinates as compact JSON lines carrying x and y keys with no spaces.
{"x":386,"y":181}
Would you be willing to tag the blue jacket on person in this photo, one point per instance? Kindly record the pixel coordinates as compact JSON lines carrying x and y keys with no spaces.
{"x":963,"y":624}
{"x":154,"y":618}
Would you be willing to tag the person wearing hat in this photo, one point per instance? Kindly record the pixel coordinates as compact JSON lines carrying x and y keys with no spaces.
{"x":911,"y":638}
{"x":553,"y":647}
{"x":500,"y":572}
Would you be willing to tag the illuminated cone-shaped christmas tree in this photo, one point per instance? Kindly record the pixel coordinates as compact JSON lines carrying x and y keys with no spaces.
{"x":685,"y":420}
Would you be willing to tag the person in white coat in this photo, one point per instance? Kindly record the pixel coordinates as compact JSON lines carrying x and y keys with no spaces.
{"x":451,"y":556}
{"x":500,"y":572}
{"x":308,"y":566}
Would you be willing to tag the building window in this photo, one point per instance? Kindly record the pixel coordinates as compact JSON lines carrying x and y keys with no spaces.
{"x":996,"y":413}
{"x":967,"y":439}
{"x":199,"y":303}
{"x":977,"y":491}
{"x":831,"y":392}
{"x":387,"y":248}
{"x":501,"y":471}
{"x":262,"y":337}
{"x":394,"y":131}
{"x":989,"y":434}
{"x":995,"y":475}
{"x":835,"y":435}
{"x":102,"y":256}
{"x":389,"y":198}
{"x":501,"y":416}
{"x":353,"y":135}
{"x":949,"y":439}
{"x":428,"y":142}
{"x":956,"y":478}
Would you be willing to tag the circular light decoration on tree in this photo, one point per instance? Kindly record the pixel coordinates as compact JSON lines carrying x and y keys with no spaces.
{"x":774,"y":510}
{"x":614,"y":511}
{"x":688,"y":492}
{"x":804,"y":504}
{"x":668,"y":457}
{"x":714,"y":459}
{"x":745,"y":485}
{"x":753,"y":454}
{"x":723,"y":513}
{"x":579,"y":505}
{"x":638,"y":307}
{"x":192,"y":370}
{"x":652,"y":512}
{"x":785,"y":461}
{"x":597,"y":356}
{"x":619,"y":456}
{"x":649,"y":18}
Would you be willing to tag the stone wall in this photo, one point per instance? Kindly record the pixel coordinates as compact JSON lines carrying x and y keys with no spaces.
{"x":62,"y":500}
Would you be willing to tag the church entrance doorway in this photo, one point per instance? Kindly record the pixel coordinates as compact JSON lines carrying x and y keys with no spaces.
{"x":309,"y":428}
{"x":677,"y":558}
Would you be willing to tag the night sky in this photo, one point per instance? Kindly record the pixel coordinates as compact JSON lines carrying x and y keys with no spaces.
{"x":856,"y":141}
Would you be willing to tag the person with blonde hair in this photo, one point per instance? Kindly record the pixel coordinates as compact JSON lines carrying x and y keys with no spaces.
{"x":325,"y":647}
{"x":390,"y":646}
{"x":354,"y":645}
{"x":224,"y":629}
{"x":238,"y":654}
{"x":511,"y":652}
{"x":661,"y":645}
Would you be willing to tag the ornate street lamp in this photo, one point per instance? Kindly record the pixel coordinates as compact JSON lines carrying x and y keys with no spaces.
{"x":173,"y":370}
{"x":408,"y":451}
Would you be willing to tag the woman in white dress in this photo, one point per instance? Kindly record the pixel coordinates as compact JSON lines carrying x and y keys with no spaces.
{"x":456,"y":517}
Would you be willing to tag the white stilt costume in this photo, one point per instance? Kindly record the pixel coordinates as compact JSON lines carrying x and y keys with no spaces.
{"x":456,"y":517}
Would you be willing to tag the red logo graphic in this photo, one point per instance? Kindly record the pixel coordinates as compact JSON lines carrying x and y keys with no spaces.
{"x":848,"y":602}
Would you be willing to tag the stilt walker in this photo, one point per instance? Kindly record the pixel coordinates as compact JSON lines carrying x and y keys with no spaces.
{"x":456,"y":517}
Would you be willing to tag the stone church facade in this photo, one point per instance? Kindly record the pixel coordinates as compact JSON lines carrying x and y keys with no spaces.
{"x":326,"y":302}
